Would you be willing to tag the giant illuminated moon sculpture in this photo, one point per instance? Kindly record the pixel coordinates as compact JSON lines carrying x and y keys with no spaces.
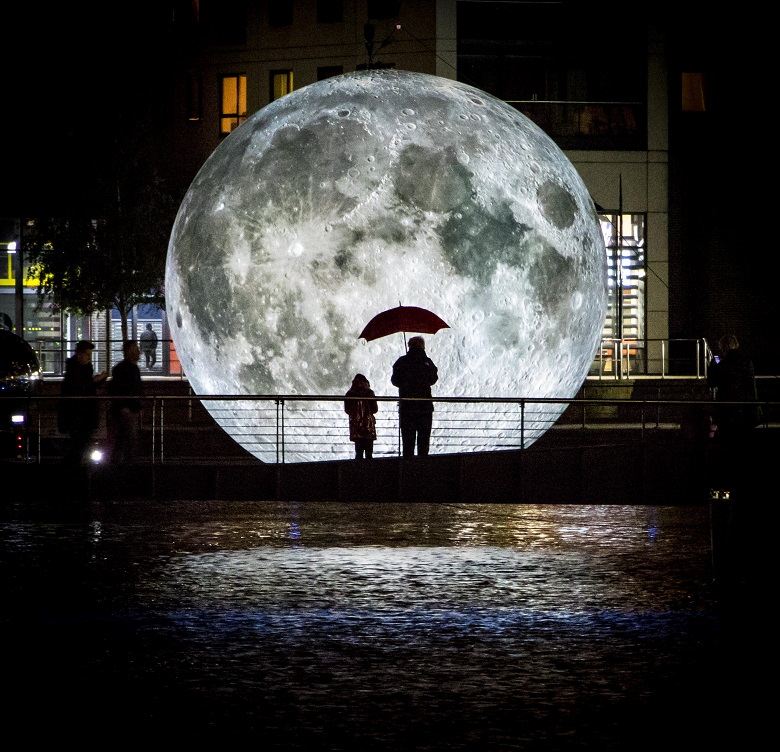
{"x":361,"y":192}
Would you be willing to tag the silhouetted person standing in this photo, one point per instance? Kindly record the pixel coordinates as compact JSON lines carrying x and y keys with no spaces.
{"x":732,"y":378}
{"x":125,"y":413}
{"x":149,"y":345}
{"x":362,"y":423}
{"x":414,"y":374}
{"x":80,"y":418}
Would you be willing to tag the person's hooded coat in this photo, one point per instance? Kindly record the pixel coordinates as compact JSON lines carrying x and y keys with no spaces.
{"x":362,"y":423}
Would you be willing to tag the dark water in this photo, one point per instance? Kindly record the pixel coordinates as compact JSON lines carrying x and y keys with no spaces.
{"x":368,"y":626}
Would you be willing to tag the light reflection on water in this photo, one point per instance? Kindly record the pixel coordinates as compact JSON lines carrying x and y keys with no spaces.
{"x":389,"y":626}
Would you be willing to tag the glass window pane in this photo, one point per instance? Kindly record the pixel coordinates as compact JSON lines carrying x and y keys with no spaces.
{"x":281,"y":83}
{"x":624,"y":239}
{"x":229,"y":95}
{"x":241,"y":104}
{"x":693,"y":92}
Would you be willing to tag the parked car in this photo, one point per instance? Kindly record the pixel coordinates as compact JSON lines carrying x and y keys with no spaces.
{"x":20,"y":378}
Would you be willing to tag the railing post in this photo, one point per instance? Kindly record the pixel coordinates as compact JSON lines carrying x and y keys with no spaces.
{"x":698,"y":358}
{"x":663,"y":358}
{"x":522,"y":424}
{"x":399,"y":429}
{"x":617,"y":364}
{"x":162,"y":432}
{"x":279,"y":430}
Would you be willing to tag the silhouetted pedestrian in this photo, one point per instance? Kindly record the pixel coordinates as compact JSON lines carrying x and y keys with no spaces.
{"x":732,"y":379}
{"x":414,"y":374}
{"x":362,"y":423}
{"x":149,"y":345}
{"x":80,"y":418}
{"x":126,"y":389}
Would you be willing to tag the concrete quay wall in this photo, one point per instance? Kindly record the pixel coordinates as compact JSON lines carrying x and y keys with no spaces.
{"x":659,"y":469}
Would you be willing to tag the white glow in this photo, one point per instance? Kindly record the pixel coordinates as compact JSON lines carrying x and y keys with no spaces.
{"x":361,"y":192}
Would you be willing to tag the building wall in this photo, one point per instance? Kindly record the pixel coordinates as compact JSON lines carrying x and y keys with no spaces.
{"x":638,"y":182}
{"x":709,"y":253}
{"x":425,"y":43}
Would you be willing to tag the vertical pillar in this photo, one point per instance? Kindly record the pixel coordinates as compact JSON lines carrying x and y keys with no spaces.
{"x":19,"y":278}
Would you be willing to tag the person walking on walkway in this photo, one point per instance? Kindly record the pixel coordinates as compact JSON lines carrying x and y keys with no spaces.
{"x":362,"y":423}
{"x":149,"y":346}
{"x":126,"y":389}
{"x":80,"y":418}
{"x":414,"y":374}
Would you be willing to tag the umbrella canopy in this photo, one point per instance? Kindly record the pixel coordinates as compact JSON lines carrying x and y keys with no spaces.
{"x":403,"y":319}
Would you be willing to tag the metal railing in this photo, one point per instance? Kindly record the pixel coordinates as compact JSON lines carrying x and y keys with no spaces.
{"x":655,"y":358}
{"x":284,"y":428}
{"x":52,"y":355}
{"x":589,"y":125}
{"x":616,"y":359}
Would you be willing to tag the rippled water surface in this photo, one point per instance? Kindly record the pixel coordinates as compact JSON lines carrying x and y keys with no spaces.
{"x":365,"y":626}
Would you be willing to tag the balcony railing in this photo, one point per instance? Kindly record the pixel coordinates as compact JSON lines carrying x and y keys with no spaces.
{"x":573,"y":126}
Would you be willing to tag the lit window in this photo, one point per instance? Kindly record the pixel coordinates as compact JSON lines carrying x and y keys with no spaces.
{"x":281,"y":83}
{"x":233,"y":103}
{"x":624,"y":239}
{"x":7,"y":257}
{"x":693,"y":92}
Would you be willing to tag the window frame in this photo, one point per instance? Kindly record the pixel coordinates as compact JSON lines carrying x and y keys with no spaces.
{"x":232,"y":118}
{"x":276,"y":75}
{"x":194,"y":98}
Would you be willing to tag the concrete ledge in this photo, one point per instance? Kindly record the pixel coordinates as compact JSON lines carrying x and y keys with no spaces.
{"x":594,"y":475}
{"x":661,"y":469}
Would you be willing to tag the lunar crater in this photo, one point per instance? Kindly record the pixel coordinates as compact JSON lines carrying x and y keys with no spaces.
{"x":326,"y":207}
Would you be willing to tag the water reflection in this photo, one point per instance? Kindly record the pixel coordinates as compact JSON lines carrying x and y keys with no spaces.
{"x":383,"y":626}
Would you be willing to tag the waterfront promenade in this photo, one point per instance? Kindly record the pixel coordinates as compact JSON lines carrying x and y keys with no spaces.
{"x":610,"y":458}
{"x":607,"y":463}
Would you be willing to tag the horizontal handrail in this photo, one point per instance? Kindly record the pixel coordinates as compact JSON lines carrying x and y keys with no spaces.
{"x":291,"y":425}
{"x":616,"y":359}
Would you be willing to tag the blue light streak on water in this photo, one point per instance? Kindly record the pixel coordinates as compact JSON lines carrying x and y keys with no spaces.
{"x":490,"y":627}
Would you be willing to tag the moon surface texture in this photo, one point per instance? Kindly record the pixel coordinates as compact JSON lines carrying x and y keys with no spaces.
{"x":359,"y":193}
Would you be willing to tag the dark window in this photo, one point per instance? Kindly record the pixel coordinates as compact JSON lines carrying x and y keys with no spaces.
{"x":330,"y":11}
{"x":580,"y":76}
{"x":224,"y":21}
{"x":693,"y":92}
{"x":194,"y":96}
{"x":280,"y":13}
{"x":378,"y":9}
{"x":185,"y":13}
{"x":328,"y":71}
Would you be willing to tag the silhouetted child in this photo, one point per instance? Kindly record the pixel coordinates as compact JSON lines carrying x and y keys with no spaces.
{"x":362,"y":423}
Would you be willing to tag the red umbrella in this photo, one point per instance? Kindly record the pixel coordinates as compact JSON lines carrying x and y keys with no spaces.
{"x":403,"y":319}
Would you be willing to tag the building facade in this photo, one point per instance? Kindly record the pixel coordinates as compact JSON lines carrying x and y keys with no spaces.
{"x":606,"y":82}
